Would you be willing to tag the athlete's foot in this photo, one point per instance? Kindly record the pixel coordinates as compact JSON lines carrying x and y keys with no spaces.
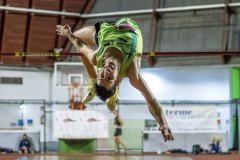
{"x":126,"y":151}
{"x":91,"y":91}
{"x":116,"y":151}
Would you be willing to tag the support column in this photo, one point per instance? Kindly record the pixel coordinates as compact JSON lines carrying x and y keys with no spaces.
{"x":79,"y":23}
{"x":234,"y":110}
{"x":225,"y":36}
{"x":153,"y":34}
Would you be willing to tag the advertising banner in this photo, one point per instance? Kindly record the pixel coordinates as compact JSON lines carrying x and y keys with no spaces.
{"x":80,"y":124}
{"x":185,"y":118}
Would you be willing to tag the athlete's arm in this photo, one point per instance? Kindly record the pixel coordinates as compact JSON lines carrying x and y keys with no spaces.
{"x":82,"y":45}
{"x":155,"y":109}
{"x":81,"y":39}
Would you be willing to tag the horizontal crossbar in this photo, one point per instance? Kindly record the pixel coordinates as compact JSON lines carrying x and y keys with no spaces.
{"x":157,"y":54}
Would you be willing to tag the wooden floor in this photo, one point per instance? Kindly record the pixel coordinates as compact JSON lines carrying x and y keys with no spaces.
{"x":111,"y":156}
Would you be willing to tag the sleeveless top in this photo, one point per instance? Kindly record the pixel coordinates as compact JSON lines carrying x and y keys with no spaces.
{"x":123,"y":35}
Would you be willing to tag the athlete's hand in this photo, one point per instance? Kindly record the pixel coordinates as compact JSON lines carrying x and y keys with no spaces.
{"x":166,"y":132}
{"x":63,"y":30}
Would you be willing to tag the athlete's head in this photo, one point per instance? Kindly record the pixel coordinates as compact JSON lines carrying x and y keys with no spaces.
{"x":108,"y":75}
{"x":107,"y":79}
{"x":104,"y":93}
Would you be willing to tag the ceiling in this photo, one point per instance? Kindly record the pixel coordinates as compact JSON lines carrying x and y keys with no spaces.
{"x":34,"y":32}
{"x":31,"y":32}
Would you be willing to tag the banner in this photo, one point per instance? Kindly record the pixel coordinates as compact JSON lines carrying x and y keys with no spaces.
{"x":190,"y":118}
{"x":80,"y":124}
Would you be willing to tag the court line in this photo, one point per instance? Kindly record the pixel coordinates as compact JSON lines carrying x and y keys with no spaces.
{"x":135,"y":158}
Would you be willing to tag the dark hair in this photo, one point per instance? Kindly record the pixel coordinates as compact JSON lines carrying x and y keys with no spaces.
{"x":104,"y":93}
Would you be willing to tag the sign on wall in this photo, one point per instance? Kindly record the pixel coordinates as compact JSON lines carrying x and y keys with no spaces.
{"x":182,"y":118}
{"x":80,"y":124}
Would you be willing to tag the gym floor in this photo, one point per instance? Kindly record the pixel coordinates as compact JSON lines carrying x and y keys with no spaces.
{"x":111,"y":156}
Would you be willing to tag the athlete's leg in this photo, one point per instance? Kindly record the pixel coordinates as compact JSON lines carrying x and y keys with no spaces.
{"x":117,"y":146}
{"x":121,"y":142}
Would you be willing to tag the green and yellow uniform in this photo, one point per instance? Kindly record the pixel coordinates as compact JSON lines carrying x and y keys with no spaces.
{"x":124,"y":35}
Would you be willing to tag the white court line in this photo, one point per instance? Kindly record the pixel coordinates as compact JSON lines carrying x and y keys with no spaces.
{"x":134,"y":157}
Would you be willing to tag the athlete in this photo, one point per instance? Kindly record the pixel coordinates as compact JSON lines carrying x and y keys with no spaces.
{"x":118,"y":55}
{"x":118,"y":122}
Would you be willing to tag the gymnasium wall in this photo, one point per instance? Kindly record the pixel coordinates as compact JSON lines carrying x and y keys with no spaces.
{"x":171,"y":83}
{"x":183,"y":83}
{"x":36,"y":84}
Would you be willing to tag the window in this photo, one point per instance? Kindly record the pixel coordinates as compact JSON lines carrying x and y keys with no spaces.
{"x":11,"y":80}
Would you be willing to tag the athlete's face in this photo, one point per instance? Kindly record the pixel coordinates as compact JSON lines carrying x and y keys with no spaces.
{"x":108,"y":75}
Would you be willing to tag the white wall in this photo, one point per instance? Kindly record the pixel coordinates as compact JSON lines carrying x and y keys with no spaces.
{"x":183,"y":83}
{"x":173,"y":83}
{"x":10,"y":114}
{"x":36,"y":85}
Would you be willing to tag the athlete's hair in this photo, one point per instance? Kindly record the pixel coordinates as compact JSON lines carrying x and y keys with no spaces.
{"x":104,"y":93}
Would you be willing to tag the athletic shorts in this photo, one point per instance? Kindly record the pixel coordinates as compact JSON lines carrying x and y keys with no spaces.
{"x":118,"y":132}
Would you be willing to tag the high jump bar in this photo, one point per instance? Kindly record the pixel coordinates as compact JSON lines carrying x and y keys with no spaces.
{"x":154,"y":54}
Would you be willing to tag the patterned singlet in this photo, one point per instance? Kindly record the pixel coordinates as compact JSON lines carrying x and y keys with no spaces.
{"x":124,"y":35}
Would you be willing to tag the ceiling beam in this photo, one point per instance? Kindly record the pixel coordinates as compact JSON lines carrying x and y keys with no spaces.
{"x":79,"y":23}
{"x":3,"y":27}
{"x":60,"y":19}
{"x":145,"y":54}
{"x":121,"y":13}
{"x":225,"y":36}
{"x":28,"y":31}
{"x":153,"y":33}
{"x":28,"y":26}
